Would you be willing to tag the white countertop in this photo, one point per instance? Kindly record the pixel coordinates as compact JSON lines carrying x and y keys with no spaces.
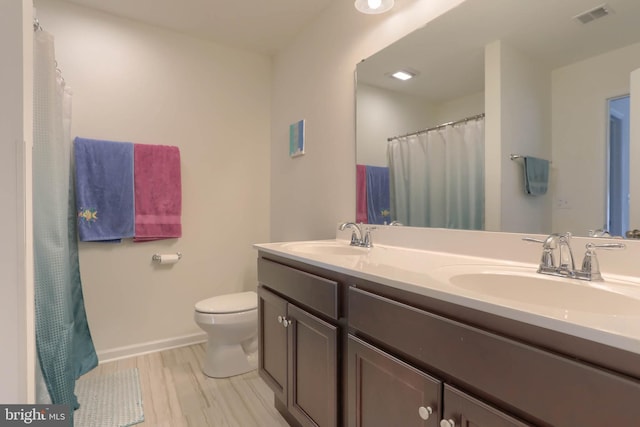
{"x":424,"y":272}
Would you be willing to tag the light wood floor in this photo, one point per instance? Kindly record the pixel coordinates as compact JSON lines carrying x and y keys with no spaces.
{"x":176,"y":393}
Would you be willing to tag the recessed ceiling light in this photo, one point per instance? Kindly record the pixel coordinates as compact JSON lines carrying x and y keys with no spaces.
{"x":373,"y":6}
{"x":403,"y":75}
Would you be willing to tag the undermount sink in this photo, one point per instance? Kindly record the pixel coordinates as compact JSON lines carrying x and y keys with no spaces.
{"x":326,"y":248}
{"x":525,"y":286}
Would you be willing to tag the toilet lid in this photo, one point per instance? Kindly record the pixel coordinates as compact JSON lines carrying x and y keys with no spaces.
{"x":230,"y":303}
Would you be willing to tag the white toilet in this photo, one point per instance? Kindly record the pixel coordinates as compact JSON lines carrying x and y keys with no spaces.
{"x":231,"y":324}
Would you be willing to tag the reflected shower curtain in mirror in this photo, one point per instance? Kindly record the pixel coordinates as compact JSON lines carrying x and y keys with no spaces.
{"x":63,"y":341}
{"x":437,"y":177}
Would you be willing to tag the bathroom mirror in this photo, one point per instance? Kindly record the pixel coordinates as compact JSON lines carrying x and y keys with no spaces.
{"x":542,"y":73}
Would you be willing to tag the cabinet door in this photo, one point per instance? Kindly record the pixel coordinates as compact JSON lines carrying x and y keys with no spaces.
{"x":384,"y":391}
{"x":313,"y":352}
{"x":272,"y":342}
{"x":462,"y":410}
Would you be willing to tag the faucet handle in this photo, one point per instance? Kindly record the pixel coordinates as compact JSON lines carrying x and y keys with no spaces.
{"x":547,"y":260}
{"x":548,"y":241}
{"x":605,"y":246}
{"x":366,"y":240}
{"x":590,"y":267}
{"x":355,"y":240}
{"x":531,"y":239}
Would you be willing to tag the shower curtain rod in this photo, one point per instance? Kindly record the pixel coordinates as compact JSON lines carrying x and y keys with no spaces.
{"x":466,"y":119}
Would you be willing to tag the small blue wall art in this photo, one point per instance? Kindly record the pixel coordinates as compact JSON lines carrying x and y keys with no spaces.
{"x":296,"y":139}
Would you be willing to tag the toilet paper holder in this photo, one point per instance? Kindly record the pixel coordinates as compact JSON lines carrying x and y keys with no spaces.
{"x":158,"y":257}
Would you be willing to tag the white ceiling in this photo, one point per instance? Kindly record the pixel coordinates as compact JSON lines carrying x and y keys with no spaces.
{"x":258,"y":25}
{"x":449,"y":51}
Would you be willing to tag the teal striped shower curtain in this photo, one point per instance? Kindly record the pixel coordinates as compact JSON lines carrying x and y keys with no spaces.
{"x":63,"y":341}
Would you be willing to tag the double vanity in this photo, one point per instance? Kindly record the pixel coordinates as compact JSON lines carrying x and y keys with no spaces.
{"x":402,"y":334}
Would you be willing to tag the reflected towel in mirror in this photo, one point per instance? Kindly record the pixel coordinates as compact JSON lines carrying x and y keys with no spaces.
{"x":378,"y":211}
{"x":536,"y":175}
{"x":361,"y":194}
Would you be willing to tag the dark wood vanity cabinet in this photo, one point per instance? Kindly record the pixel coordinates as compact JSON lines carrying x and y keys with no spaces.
{"x":342,"y":351}
{"x":384,"y":391}
{"x":488,"y":379}
{"x":298,"y":351}
{"x":273,"y":342}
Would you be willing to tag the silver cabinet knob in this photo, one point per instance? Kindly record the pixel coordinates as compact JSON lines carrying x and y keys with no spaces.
{"x":283,"y":321}
{"x":425,"y":412}
{"x":447,"y":423}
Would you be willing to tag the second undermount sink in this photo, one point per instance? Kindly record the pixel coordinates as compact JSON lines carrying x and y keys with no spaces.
{"x":329,"y":247}
{"x":524,"y":286}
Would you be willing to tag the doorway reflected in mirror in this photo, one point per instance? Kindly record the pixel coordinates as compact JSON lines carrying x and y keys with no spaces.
{"x":618,"y":194}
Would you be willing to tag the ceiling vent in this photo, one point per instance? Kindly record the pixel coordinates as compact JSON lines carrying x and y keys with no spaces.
{"x":593,"y":14}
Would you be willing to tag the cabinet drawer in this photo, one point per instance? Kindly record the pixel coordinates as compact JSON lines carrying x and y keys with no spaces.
{"x":309,"y":290}
{"x":466,"y":410}
{"x":534,"y":384}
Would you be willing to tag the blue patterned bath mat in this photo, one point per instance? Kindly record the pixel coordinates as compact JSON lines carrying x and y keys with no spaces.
{"x":109,"y":400}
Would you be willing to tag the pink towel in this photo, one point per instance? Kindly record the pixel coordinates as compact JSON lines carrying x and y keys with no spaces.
{"x":158,"y":192}
{"x":361,"y":194}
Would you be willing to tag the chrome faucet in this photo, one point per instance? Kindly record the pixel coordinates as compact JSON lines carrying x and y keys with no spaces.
{"x":357,"y":236}
{"x":564,"y":265}
{"x":600,"y":232}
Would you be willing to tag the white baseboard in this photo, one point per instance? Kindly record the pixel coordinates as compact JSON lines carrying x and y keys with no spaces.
{"x":149,"y":347}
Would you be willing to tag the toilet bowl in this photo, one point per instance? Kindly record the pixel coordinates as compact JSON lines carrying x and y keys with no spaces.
{"x":231,"y":324}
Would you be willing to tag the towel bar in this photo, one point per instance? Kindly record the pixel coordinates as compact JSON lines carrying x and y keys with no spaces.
{"x":518,"y":156}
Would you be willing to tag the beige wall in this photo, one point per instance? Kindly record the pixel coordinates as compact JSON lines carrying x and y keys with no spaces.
{"x":634,"y":150}
{"x":383,"y":113}
{"x":313,"y":79}
{"x":525,"y":130}
{"x":459,"y":108}
{"x":580,"y":136}
{"x":221,"y":106}
{"x":139,"y":83}
{"x":517,"y":122}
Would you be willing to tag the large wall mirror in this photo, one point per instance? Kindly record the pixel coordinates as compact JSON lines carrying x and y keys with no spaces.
{"x":530,"y":78}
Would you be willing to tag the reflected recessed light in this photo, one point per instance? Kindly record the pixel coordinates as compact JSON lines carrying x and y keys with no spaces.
{"x":373,"y":6}
{"x":403,"y":75}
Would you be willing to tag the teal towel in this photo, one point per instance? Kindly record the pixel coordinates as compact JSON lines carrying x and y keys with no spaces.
{"x":536,"y":175}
